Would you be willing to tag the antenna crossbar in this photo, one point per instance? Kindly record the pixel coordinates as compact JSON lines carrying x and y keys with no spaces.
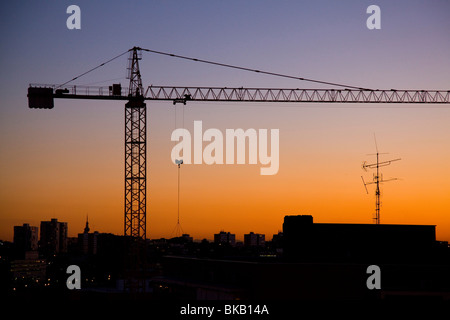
{"x":377,"y":179}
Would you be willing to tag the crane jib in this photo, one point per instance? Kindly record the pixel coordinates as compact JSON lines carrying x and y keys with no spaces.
{"x":42,"y":96}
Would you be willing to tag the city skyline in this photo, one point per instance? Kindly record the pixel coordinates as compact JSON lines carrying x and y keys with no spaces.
{"x":86,"y":229}
{"x":68,"y":162}
{"x":212,"y":236}
{"x":299,"y":264}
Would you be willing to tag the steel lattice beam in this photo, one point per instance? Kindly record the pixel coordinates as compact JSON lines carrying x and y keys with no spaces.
{"x":256,"y":94}
{"x":296,"y":95}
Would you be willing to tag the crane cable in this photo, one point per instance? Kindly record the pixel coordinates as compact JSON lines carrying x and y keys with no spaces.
{"x":179,"y":173}
{"x":100,"y":65}
{"x":178,"y":209}
{"x":178,"y":162}
{"x":255,"y":70}
{"x":219,"y":64}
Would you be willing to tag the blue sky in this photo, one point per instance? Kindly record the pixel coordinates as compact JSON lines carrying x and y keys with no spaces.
{"x":318,"y":39}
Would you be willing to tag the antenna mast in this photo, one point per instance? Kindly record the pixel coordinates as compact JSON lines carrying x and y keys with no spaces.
{"x":377,"y":179}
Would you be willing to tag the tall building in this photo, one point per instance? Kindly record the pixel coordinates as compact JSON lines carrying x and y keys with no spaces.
{"x":27,"y":269}
{"x":225,"y":237}
{"x":87,"y":242}
{"x":53,"y":237}
{"x":254,"y":240}
{"x":26,"y":237}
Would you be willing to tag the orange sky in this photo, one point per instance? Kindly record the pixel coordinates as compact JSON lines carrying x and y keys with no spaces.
{"x":79,"y":171}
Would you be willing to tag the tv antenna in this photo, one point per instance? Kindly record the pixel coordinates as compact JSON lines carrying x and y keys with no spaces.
{"x":377,"y":178}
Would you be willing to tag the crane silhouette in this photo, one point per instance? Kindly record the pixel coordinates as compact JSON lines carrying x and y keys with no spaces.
{"x":135,"y":195}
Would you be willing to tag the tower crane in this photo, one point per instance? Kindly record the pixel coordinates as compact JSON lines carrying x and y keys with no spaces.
{"x":135,"y":195}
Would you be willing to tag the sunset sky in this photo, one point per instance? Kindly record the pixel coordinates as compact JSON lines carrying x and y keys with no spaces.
{"x":68,"y":162}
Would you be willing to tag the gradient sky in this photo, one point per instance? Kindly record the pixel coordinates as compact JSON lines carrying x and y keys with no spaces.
{"x":67,"y":163}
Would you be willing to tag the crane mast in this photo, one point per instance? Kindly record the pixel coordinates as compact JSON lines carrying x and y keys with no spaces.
{"x":135,"y":153}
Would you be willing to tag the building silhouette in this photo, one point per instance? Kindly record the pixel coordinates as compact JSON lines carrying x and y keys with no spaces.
{"x":307,"y":262}
{"x":254,"y":240}
{"x":53,"y":237}
{"x":87,"y":242}
{"x":225,"y":238}
{"x":26,"y":269}
{"x":306,"y":240}
{"x":25,"y":240}
{"x":318,"y":261}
